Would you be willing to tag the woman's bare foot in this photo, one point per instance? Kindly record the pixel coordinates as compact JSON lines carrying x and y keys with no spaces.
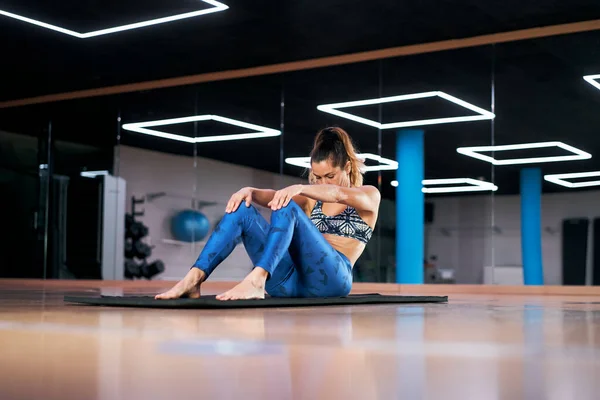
{"x":252,"y":287}
{"x":187,"y":287}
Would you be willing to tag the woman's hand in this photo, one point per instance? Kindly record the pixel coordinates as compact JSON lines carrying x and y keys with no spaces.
{"x":282,"y":197}
{"x":244,"y":194}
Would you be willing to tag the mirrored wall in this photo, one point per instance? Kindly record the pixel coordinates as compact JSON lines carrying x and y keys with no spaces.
{"x":183,"y":153}
{"x":132,"y":185}
{"x":547,"y":101}
{"x":445,"y":100}
{"x":62,"y":221}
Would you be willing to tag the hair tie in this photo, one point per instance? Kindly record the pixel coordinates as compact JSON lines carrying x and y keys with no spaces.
{"x":331,"y":134}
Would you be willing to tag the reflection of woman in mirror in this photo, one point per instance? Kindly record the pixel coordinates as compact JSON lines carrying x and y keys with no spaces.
{"x":316,"y":234}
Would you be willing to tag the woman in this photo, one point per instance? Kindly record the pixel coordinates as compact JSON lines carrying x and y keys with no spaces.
{"x":317,"y":231}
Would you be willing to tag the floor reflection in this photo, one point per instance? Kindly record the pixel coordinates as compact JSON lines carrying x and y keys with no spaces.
{"x":474,"y":347}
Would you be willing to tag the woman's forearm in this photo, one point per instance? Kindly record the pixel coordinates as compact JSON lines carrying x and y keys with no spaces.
{"x":324,"y":193}
{"x":262,"y":197}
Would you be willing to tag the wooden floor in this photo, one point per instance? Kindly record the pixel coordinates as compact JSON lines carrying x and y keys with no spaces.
{"x":486,"y":343}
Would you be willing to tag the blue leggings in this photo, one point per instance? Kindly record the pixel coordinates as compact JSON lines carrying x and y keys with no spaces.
{"x":300,"y":262}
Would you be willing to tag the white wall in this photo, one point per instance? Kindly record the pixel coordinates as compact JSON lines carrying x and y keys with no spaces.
{"x":461,"y":236}
{"x":463,"y":239}
{"x":151,"y":172}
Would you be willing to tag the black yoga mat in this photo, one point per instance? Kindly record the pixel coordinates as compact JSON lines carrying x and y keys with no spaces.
{"x":212,"y":302}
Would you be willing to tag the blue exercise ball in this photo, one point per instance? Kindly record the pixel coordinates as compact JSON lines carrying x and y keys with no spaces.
{"x":189,"y":226}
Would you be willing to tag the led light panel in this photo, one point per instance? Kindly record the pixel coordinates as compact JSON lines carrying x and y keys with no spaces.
{"x":474,"y":185}
{"x":474,"y":152}
{"x":561,"y":179}
{"x":92,"y":174}
{"x":216,"y":7}
{"x":333,"y":109}
{"x":385,"y":163}
{"x":593,"y":80}
{"x":260,"y":131}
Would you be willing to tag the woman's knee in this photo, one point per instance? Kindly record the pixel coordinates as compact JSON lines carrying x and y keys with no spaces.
{"x":291,"y":207}
{"x":242,"y":212}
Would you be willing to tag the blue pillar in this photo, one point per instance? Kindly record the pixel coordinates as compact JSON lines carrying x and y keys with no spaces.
{"x":531,"y":226}
{"x":410,"y":230}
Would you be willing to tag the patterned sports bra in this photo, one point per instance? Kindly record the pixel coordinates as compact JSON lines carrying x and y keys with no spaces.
{"x":347,"y":223}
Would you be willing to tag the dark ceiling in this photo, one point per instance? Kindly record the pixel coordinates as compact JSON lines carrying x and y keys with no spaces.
{"x":536,"y":85}
{"x":249,"y":33}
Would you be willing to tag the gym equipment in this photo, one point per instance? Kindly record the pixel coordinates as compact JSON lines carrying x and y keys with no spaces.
{"x":83,"y":241}
{"x":596,"y":253}
{"x":574,"y":250}
{"x":189,"y":226}
{"x":148,"y":271}
{"x":143,"y":269}
{"x":137,"y":250}
{"x":132,"y":269}
{"x":212,"y":302}
{"x":141,"y":250}
{"x":135,"y":231}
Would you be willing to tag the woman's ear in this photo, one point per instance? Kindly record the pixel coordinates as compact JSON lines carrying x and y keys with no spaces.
{"x":348,"y":167}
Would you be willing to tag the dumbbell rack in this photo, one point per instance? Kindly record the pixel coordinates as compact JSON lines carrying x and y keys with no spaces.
{"x":135,"y":201}
{"x":135,"y":248}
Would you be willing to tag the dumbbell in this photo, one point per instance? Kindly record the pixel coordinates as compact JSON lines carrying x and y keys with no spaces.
{"x":136,"y":230}
{"x":128,"y":221}
{"x":148,"y":271}
{"x":137,"y":249}
{"x":132,"y":269}
{"x":141,"y":250}
{"x":128,"y":249}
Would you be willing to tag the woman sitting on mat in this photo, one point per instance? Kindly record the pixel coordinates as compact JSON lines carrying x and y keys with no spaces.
{"x":317,"y":231}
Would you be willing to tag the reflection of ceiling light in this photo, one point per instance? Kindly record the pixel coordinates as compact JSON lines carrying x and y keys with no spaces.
{"x":216,"y":6}
{"x":261,"y":131}
{"x":559,"y":179}
{"x":385,"y":163}
{"x":474,"y":185}
{"x":303,"y":162}
{"x":333,"y":109}
{"x":93,"y":174}
{"x":591,"y":79}
{"x":473,"y":152}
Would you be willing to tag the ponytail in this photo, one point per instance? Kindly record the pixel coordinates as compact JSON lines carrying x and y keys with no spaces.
{"x":334,"y":144}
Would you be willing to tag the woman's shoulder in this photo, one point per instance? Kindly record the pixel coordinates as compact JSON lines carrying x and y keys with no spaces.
{"x":371,"y":190}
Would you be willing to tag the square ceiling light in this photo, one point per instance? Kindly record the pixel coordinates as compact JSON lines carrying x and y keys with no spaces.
{"x":384,"y":163}
{"x":216,"y":7}
{"x":259,"y":131}
{"x":593,"y":80}
{"x":333,"y":109}
{"x":474,"y":152}
{"x":561,"y":179}
{"x":93,"y":174}
{"x":474,"y":185}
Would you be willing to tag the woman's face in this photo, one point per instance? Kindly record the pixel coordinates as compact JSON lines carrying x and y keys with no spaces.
{"x":326,"y":174}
